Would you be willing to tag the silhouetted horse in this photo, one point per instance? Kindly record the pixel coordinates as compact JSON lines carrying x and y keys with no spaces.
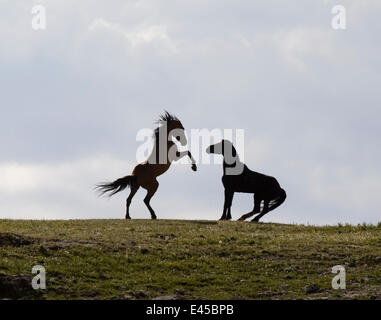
{"x":239,"y":178}
{"x":144,"y":174}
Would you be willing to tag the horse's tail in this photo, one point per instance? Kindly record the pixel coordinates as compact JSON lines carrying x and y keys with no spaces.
{"x":278,"y":201}
{"x":116,"y":186}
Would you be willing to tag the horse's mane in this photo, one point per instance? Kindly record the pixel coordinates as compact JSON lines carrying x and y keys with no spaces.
{"x":164,"y":118}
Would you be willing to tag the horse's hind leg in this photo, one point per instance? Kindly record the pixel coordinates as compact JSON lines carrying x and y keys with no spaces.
{"x":151,"y":189}
{"x":264,"y":211}
{"x":257,"y":209}
{"x":272,"y":204}
{"x":134,"y":189}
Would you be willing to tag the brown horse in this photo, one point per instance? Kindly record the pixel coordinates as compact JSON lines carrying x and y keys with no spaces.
{"x":163,"y":154}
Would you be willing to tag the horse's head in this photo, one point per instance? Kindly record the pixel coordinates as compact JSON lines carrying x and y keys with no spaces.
{"x":175,"y":129}
{"x":232,"y":164}
{"x":223,"y":147}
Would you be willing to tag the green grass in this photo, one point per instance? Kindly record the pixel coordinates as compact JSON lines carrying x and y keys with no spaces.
{"x":144,"y":259}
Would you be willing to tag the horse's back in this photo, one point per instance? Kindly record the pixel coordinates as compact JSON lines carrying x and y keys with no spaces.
{"x":146,"y":171}
{"x":251,"y":182}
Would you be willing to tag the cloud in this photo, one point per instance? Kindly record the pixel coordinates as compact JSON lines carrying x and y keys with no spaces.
{"x":21,"y":177}
{"x":295,"y":46}
{"x":65,"y":190}
{"x":344,"y":188}
{"x":151,"y":34}
{"x":55,"y":190}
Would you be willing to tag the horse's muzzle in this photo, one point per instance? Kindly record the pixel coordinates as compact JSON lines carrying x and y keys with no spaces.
{"x":210,"y":149}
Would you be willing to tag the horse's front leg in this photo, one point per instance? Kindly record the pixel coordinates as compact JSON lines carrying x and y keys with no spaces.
{"x":182,"y":154}
{"x":194,"y":167}
{"x":226,"y":215}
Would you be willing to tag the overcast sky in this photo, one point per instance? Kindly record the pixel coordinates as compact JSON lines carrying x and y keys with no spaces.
{"x":74,"y":96}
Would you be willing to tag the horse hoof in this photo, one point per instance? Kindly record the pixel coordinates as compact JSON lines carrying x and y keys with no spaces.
{"x":241,"y":219}
{"x":153,"y":217}
{"x":128,"y":218}
{"x":255,"y":221}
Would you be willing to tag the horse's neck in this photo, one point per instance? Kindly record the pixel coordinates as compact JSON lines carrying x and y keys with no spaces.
{"x":228,"y":164}
{"x":160,"y":149}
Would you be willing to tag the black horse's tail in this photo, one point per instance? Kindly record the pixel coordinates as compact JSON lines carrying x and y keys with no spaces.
{"x":116,"y":186}
{"x":278,"y":201}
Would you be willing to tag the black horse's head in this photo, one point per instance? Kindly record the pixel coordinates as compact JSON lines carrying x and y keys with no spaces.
{"x":232,"y":163}
{"x":225,"y":147}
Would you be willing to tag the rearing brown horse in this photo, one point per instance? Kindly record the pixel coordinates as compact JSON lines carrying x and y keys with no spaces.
{"x":163,"y":154}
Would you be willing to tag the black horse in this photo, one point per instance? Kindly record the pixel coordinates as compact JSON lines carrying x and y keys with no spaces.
{"x":239,"y":178}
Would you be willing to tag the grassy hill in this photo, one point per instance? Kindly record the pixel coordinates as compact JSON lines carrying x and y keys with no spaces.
{"x":144,"y":259}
